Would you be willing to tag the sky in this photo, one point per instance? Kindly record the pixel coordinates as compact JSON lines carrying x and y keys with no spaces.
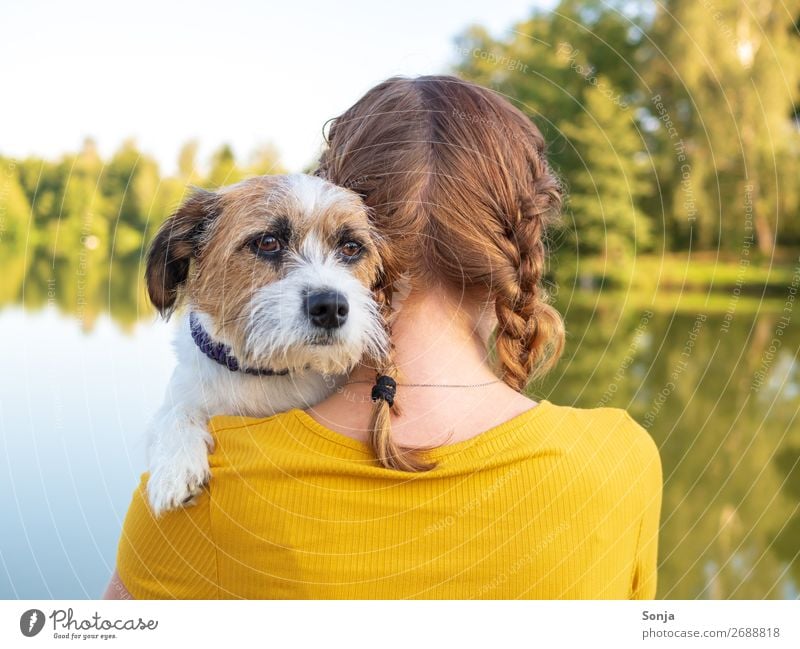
{"x":241,"y":72}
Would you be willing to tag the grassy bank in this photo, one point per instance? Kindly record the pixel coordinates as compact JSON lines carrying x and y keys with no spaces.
{"x":679,"y":272}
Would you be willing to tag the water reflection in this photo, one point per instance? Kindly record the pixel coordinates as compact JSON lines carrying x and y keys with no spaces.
{"x":84,"y":285}
{"x":722,"y":405}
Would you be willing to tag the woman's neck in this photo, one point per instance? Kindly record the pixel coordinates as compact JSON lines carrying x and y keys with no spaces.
{"x":438,"y":342}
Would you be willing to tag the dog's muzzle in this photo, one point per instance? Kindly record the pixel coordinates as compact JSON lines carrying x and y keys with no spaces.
{"x":326,"y":309}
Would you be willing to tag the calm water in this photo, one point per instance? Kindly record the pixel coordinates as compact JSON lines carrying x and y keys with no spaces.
{"x":717,"y":394}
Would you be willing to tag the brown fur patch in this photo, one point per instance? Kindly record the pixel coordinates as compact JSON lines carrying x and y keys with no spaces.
{"x":174,"y":246}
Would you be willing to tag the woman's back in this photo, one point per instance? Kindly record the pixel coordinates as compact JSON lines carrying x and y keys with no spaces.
{"x":557,"y":502}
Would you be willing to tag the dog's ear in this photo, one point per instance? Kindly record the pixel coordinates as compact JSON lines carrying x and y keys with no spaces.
{"x":173,"y":247}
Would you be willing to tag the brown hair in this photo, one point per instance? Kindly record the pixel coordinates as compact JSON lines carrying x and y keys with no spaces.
{"x":459,"y":188}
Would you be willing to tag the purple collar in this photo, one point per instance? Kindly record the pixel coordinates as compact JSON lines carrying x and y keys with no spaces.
{"x":221,"y":353}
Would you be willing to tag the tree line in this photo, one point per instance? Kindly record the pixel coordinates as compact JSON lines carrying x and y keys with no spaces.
{"x":673,"y":124}
{"x":73,"y":231}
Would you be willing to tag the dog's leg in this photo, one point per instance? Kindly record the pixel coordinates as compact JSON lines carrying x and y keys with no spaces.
{"x":178,"y":458}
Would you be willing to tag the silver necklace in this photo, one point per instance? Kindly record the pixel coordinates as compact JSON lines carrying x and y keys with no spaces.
{"x":436,"y":385}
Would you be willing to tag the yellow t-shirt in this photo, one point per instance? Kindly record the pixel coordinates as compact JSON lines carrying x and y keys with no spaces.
{"x":557,"y":502}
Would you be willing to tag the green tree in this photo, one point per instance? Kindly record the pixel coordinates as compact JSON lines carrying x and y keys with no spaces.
{"x":224,"y":170}
{"x":15,"y":215}
{"x":15,"y":210}
{"x":130,"y":183}
{"x":711,"y":89}
{"x":187,"y":161}
{"x":606,"y":188}
{"x":728,"y":74}
{"x":73,"y":231}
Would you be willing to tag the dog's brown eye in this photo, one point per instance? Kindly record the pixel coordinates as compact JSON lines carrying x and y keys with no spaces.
{"x":266,"y":244}
{"x":351,"y":249}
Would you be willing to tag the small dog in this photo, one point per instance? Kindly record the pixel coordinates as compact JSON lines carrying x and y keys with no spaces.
{"x":277,"y":274}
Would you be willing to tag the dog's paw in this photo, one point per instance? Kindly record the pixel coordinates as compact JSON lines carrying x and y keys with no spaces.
{"x":176,"y":479}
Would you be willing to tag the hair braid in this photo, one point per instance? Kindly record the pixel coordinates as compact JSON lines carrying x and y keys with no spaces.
{"x":530,"y":333}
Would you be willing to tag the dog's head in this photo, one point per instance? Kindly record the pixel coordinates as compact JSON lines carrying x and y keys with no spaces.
{"x":282,"y":265}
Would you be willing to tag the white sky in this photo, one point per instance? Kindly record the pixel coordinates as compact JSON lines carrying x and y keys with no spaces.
{"x":235,"y":71}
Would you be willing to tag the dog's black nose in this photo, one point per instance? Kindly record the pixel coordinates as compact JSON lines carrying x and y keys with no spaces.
{"x":327,"y":309}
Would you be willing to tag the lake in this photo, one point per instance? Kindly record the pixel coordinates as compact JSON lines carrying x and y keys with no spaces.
{"x":714,"y":379}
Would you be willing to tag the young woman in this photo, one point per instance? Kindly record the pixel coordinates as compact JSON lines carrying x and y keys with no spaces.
{"x":432,"y":475}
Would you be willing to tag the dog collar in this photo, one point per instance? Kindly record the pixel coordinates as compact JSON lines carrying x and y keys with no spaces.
{"x":221,"y":353}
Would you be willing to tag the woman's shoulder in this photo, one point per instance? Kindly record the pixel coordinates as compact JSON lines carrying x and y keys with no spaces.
{"x":291,"y":438}
{"x":615,"y":454}
{"x":604,"y":418}
{"x":219,"y":424}
{"x":235,"y":435}
{"x":225,"y":422}
{"x":604,"y":432}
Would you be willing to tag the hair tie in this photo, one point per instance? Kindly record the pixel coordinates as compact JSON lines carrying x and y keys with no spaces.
{"x":384,"y":388}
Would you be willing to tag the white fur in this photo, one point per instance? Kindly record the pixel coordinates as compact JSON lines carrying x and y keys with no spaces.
{"x":312,"y":193}
{"x":178,"y":438}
